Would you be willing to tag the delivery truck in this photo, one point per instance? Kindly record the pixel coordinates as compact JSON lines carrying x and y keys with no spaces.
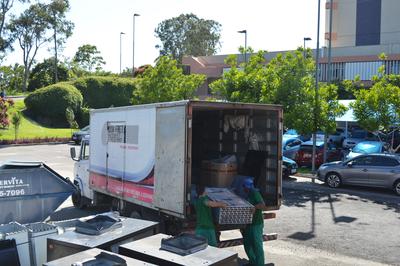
{"x":148,"y":158}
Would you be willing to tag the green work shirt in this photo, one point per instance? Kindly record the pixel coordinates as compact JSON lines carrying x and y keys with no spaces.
{"x":256,"y":198}
{"x":203,"y":213}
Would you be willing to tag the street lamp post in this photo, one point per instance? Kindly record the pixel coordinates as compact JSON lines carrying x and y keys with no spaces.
{"x":304,"y":46}
{"x":120,"y":51}
{"x":133,"y":45}
{"x":316,"y":107}
{"x":245,"y":44}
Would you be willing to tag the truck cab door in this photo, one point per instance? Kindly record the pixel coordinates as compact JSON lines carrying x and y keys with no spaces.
{"x":170,"y":165}
{"x":81,"y":175}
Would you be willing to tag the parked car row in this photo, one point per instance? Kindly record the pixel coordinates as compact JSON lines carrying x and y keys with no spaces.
{"x":361,"y":160}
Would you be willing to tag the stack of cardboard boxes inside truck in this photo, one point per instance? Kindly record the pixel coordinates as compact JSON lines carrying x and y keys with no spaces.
{"x":219,"y":176}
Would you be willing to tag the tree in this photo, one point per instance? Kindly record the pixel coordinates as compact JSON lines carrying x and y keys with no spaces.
{"x":288,"y":80}
{"x":30,"y":30}
{"x":88,"y":58}
{"x":166,"y":82}
{"x":378,"y":108}
{"x":242,"y":83}
{"x":11,"y":78}
{"x":16,"y":120}
{"x":62,"y":28}
{"x":42,"y":74}
{"x":188,"y":35}
{"x":5,"y":38}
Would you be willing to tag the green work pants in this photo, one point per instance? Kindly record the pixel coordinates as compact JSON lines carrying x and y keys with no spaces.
{"x":209,"y":234}
{"x":253,"y":244}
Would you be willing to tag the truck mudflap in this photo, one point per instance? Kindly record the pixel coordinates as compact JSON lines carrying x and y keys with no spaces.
{"x":239,"y":241}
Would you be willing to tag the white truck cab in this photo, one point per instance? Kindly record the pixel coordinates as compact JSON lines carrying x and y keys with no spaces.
{"x":84,"y":195}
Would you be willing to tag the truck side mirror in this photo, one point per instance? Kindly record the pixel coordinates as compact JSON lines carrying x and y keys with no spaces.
{"x":72,"y":152}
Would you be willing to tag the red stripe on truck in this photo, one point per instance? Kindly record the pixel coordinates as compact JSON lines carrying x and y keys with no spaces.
{"x":121,"y":189}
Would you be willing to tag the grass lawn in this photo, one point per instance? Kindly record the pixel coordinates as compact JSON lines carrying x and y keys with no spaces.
{"x":29,"y":129}
{"x":304,"y":170}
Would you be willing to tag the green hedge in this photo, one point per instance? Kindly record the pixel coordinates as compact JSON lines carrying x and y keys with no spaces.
{"x":103,"y":92}
{"x":49,"y":103}
{"x":84,"y":117}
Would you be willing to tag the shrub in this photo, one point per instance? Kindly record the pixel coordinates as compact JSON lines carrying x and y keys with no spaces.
{"x":103,"y":92}
{"x":16,"y":120}
{"x":83,"y":117}
{"x":4,"y":105}
{"x":51,"y":102}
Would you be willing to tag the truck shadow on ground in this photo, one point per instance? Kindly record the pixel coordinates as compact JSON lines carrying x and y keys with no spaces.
{"x":304,"y":196}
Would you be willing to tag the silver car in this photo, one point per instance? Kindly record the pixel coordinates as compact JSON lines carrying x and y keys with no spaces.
{"x":372,"y":170}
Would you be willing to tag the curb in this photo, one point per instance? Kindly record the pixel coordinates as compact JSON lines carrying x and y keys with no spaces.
{"x":306,"y":176}
{"x":34,"y":144}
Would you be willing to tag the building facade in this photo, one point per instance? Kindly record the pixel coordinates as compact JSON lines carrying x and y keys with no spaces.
{"x":361,"y":31}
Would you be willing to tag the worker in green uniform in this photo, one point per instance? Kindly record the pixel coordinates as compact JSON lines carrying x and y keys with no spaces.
{"x":204,"y":225}
{"x":253,"y":233}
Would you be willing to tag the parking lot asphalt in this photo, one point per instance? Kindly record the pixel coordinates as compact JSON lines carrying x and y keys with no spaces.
{"x":55,"y":155}
{"x":316,"y":225}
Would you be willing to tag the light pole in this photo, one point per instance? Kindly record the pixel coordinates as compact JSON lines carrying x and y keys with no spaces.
{"x":316,"y":107}
{"x":304,"y":46}
{"x":245,"y":44}
{"x":120,"y":51}
{"x":133,"y":45}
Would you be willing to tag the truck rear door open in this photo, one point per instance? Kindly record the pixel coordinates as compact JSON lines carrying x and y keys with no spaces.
{"x":170,"y":167}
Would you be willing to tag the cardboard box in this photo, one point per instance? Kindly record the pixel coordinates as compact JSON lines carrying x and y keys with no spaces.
{"x":218,"y":174}
{"x":238,"y":211}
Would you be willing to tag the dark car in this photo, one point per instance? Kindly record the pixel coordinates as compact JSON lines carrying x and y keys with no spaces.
{"x":290,"y":146}
{"x":289,"y":167}
{"x":372,"y":170}
{"x":78,"y":135}
{"x":304,"y":155}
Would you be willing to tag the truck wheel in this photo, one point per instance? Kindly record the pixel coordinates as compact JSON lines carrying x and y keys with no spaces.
{"x":77,"y":199}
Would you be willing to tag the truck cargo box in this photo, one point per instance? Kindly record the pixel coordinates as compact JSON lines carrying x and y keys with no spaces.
{"x":151,"y":155}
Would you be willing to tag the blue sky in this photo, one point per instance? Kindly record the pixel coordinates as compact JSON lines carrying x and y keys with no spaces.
{"x":271,"y":25}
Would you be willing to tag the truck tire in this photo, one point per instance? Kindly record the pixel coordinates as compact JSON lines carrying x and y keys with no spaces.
{"x":77,"y":198}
